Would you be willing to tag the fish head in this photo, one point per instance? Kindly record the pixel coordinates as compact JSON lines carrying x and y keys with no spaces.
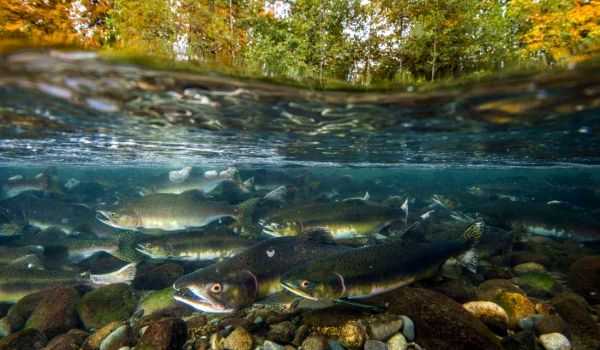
{"x":209,"y":291}
{"x":118,"y":219}
{"x":281,"y":228}
{"x":314,"y":285}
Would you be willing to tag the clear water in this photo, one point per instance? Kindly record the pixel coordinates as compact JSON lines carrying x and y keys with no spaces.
{"x":520,"y":153}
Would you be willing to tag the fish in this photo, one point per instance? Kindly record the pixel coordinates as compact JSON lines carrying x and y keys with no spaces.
{"x":18,"y":184}
{"x":78,"y":249}
{"x":44,"y":212}
{"x":167,"y":212}
{"x":17,"y":283}
{"x":343,"y":220}
{"x":368,"y":271}
{"x":184,"y":180}
{"x":253,"y":274}
{"x":9,"y":254}
{"x":194,"y":246}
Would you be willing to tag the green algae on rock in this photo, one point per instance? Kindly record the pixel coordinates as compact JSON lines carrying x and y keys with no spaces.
{"x":115,"y":302}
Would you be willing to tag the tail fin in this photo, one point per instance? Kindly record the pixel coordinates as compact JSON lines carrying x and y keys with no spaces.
{"x":245,"y":215}
{"x":474,"y":232}
{"x":126,"y":274}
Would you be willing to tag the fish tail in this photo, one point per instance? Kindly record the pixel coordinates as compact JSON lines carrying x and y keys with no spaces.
{"x":474,"y":232}
{"x":126,"y":274}
{"x":245,"y":213}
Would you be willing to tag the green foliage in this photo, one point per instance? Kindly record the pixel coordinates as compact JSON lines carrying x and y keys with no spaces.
{"x":323,"y":42}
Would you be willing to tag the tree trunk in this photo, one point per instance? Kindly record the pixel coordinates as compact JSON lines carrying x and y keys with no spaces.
{"x":433,"y":61}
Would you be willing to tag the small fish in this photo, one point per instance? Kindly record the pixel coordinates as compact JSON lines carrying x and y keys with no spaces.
{"x":368,"y":271}
{"x":343,"y":220}
{"x":251,"y":275}
{"x":194,"y":246}
{"x":184,"y":180}
{"x":17,"y":283}
{"x":17,"y":184}
{"x":167,"y":212}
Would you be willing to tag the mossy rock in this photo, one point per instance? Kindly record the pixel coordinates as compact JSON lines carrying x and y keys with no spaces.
{"x":516,"y":305}
{"x":538,"y":284}
{"x":115,"y":302}
{"x":156,"y":301}
{"x":55,"y":314}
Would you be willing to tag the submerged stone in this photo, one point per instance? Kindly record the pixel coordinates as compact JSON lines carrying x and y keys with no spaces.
{"x":584,"y":278}
{"x":115,"y":302}
{"x":440,"y":322}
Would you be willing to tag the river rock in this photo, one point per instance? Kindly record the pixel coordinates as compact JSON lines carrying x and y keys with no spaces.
{"x":584,"y":277}
{"x":524,"y":340}
{"x":375,"y":345}
{"x":382,"y":329}
{"x":522,"y":257}
{"x":458,"y":289}
{"x":315,"y":343}
{"x":282,"y":332}
{"x":440,"y":322}
{"x":408,"y":328}
{"x":117,"y":339}
{"x":397,"y":342}
{"x":239,"y":339}
{"x":555,"y":341}
{"x":71,"y":340}
{"x":93,"y":341}
{"x":339,"y":323}
{"x":115,"y":302}
{"x":27,"y":339}
{"x":552,"y":324}
{"x":165,"y":334}
{"x":490,"y":289}
{"x":19,"y":313}
{"x":56,"y":312}
{"x":584,"y":330}
{"x":269,"y":345}
{"x":489,"y":313}
{"x":538,"y":284}
{"x":528,"y":267}
{"x":517,"y":307}
{"x":156,"y":301}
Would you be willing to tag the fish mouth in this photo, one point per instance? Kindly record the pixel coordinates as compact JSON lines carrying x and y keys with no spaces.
{"x":104,"y":217}
{"x":191,"y":297}
{"x":295,"y":290}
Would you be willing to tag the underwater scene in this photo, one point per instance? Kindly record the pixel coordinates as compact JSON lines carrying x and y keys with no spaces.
{"x":161,"y":209}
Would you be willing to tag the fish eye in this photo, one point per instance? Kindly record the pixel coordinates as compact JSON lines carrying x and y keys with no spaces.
{"x":216,"y":288}
{"x":305,"y":284}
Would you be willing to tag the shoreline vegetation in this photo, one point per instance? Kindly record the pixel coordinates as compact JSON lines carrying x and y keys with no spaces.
{"x":346,"y":45}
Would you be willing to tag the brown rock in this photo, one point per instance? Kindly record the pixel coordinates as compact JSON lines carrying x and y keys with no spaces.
{"x":552,"y":324}
{"x":166,"y":334}
{"x":93,"y":341}
{"x":315,"y":343}
{"x":490,"y":289}
{"x":68,"y":341}
{"x":239,"y":339}
{"x":517,"y":307}
{"x":56,"y":312}
{"x":584,"y":278}
{"x":27,"y":339}
{"x":584,"y":330}
{"x":282,"y":332}
{"x":440,"y":322}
